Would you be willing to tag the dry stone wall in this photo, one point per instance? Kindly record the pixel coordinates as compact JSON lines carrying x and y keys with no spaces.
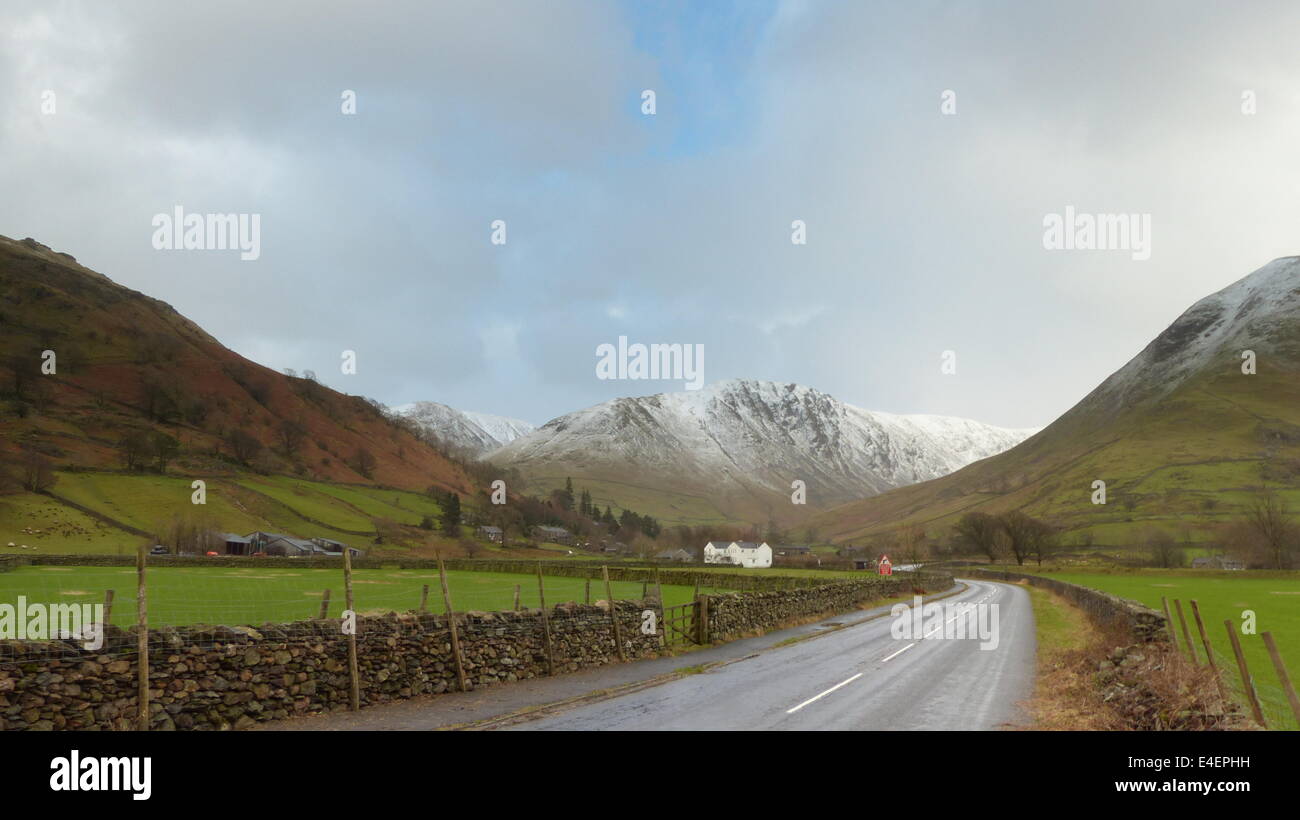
{"x":205,"y":677}
{"x":222,"y":677}
{"x":1143,"y":623}
{"x":735,"y":615}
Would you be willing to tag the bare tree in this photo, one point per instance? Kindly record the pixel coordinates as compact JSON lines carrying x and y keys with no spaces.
{"x":242,"y":445}
{"x":38,"y":472}
{"x":157,"y":400}
{"x":979,"y":532}
{"x":911,"y":546}
{"x":135,"y":449}
{"x":191,"y":532}
{"x":1019,"y":529}
{"x":363,"y":461}
{"x":24,"y":371}
{"x":164,"y":449}
{"x":1163,"y":549}
{"x":1272,"y":526}
{"x":1045,"y":539}
{"x":291,"y":434}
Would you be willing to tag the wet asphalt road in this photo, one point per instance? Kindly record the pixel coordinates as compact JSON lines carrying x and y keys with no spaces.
{"x":857,"y":678}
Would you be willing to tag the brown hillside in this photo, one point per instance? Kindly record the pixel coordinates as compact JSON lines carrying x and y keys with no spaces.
{"x":128,"y":363}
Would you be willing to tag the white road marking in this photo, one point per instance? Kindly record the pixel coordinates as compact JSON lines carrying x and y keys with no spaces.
{"x":886,"y":659}
{"x":899,"y":652}
{"x":823,"y":694}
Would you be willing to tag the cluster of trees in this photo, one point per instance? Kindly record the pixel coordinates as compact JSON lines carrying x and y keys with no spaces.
{"x":579,"y":513}
{"x":1010,"y":533}
{"x":190,"y":531}
{"x":628,"y":522}
{"x":30,"y":471}
{"x":450,"y":519}
{"x":1162,"y":550}
{"x":1268,"y":536}
{"x":575,"y":511}
{"x":152,"y":450}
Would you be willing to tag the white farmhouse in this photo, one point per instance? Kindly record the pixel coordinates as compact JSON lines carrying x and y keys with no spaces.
{"x":741,"y":553}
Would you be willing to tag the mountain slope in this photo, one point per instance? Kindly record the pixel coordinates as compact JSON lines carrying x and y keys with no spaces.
{"x":474,"y":433}
{"x":129,"y":364}
{"x":1179,"y":434}
{"x":737,"y":445}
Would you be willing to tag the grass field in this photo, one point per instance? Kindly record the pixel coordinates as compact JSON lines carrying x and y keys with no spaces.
{"x":255,"y":595}
{"x":1223,"y":596}
{"x":53,"y":528}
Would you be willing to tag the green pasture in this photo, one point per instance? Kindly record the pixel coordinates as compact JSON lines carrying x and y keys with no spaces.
{"x":1274,"y":597}
{"x":255,"y":595}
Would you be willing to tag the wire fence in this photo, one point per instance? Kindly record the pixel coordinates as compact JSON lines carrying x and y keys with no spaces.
{"x":1251,"y":672}
{"x":180,"y":596}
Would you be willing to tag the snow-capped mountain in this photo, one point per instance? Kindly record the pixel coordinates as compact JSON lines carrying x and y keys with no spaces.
{"x":1257,"y":313}
{"x":754,"y":438}
{"x":476,"y":433}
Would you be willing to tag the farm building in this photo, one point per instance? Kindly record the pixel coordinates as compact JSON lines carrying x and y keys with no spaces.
{"x":493,"y":534}
{"x":742,"y":553}
{"x":274,"y":543}
{"x":791,"y":549}
{"x":1218,"y":562}
{"x":679,"y":555}
{"x":556,"y":535}
{"x":233,"y":544}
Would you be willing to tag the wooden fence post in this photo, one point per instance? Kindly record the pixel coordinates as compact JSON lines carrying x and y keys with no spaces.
{"x":1187,"y":635}
{"x":1169,"y":622}
{"x":588,"y":590}
{"x":1282,"y":675}
{"x":1247,"y":683}
{"x":108,"y":606}
{"x":142,"y":642}
{"x":1205,"y":640}
{"x":354,"y":669}
{"x":424,"y":600}
{"x":613,"y":614}
{"x":701,"y":619}
{"x":451,"y":621}
{"x":546,"y":624}
{"x":663,"y":612}
{"x":324,"y":605}
{"x":516,"y":597}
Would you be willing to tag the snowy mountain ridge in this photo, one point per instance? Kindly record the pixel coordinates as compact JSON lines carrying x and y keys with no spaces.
{"x":744,"y":436}
{"x":477,"y":433}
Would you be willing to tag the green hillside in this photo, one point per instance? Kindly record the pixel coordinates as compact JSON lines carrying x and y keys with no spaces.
{"x":1181,"y":436}
{"x":148,"y":503}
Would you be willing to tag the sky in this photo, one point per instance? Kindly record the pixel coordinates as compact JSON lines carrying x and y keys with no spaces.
{"x":924,"y":226}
